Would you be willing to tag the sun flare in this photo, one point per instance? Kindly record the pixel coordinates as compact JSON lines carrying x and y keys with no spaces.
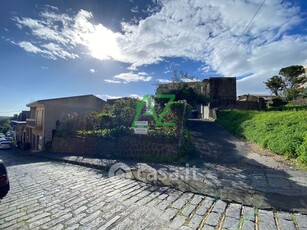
{"x":103,"y":44}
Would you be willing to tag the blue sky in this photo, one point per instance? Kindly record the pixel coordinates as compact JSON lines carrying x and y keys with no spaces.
{"x":123,"y":48}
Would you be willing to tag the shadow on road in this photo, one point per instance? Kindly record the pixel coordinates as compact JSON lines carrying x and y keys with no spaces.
{"x":221,"y":159}
{"x":223,"y":170}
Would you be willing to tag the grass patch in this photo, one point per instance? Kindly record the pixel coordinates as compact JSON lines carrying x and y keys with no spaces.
{"x":283,"y":132}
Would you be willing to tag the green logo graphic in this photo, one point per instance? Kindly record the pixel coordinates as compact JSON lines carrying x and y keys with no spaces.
{"x":146,"y":101}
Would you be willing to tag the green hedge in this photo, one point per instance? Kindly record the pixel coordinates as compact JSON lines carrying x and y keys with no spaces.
{"x":283,"y":132}
{"x":167,"y":132}
{"x":106,"y":133}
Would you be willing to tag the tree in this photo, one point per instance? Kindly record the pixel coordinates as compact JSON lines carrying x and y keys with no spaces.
{"x":275,"y":84}
{"x":185,"y":92}
{"x":181,"y":77}
{"x":184,"y":88}
{"x":124,"y":111}
{"x":290,"y":82}
{"x":293,"y":93}
{"x":5,"y":125}
{"x":293,"y":76}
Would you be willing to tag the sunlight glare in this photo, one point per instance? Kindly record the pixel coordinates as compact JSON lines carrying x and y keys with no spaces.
{"x":103,"y":44}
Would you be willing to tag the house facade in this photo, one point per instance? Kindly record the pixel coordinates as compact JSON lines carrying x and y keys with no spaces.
{"x":45,"y":114}
{"x":19,"y":127}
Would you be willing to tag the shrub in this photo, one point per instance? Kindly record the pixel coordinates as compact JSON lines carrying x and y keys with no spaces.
{"x":106,"y":133}
{"x":99,"y":121}
{"x":283,"y":132}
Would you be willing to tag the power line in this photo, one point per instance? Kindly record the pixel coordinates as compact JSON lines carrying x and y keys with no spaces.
{"x":242,"y":33}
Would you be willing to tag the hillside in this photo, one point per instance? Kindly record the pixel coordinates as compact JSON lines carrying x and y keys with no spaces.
{"x":4,"y":118}
{"x":282,"y":132}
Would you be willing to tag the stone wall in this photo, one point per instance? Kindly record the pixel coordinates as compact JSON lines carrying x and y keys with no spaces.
{"x":223,"y":91}
{"x":242,"y":105}
{"x":137,"y":147}
{"x":247,"y":105}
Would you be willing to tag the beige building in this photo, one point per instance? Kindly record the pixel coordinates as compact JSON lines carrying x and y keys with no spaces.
{"x":45,"y":114}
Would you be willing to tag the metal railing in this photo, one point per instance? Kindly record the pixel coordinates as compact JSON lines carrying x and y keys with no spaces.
{"x":34,"y":123}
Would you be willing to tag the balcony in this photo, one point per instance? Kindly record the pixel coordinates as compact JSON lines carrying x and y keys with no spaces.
{"x":34,"y":123}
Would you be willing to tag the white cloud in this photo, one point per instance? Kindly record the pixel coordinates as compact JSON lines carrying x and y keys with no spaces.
{"x":112,"y":81}
{"x":136,"y":96}
{"x":42,"y":30}
{"x":52,"y":7}
{"x":54,"y":51}
{"x":163,"y":81}
{"x":106,"y":96}
{"x":133,"y":77}
{"x":56,"y":34}
{"x":204,"y":31}
{"x":134,"y":9}
{"x":92,"y":71}
{"x":110,"y":97}
{"x":266,"y":61}
{"x":189,"y":79}
{"x":29,"y":47}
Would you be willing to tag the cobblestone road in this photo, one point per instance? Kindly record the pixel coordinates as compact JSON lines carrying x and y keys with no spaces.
{"x":49,"y":195}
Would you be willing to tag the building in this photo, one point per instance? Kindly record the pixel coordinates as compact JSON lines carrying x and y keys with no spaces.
{"x":19,"y":128}
{"x":305,"y":75}
{"x":221,"y":91}
{"x":255,"y":97}
{"x":45,"y":115}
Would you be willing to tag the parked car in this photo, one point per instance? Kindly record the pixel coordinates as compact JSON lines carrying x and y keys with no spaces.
{"x":4,"y":180}
{"x":9,"y":136}
{"x":5,"y":144}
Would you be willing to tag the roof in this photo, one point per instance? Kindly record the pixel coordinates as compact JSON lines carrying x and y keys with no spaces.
{"x":112,"y":101}
{"x":262,"y":95}
{"x":18,"y":122}
{"x":61,"y":98}
{"x":257,"y":95}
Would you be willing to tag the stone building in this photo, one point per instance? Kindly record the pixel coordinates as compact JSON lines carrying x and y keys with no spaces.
{"x":221,"y":91}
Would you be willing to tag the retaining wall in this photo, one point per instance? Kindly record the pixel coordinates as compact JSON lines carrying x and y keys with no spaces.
{"x":136,"y":146}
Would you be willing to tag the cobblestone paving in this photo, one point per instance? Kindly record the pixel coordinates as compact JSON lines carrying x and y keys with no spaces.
{"x":49,"y":195}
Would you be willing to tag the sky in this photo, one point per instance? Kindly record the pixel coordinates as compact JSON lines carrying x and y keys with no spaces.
{"x":116,"y":48}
